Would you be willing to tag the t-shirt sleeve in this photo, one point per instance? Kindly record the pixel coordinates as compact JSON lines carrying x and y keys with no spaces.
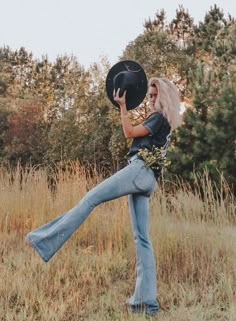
{"x":153,"y":122}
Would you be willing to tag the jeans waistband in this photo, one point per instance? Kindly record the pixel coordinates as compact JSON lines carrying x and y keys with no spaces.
{"x":132,"y":158}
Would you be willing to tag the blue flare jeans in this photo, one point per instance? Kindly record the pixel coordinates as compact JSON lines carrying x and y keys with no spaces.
{"x":134,"y":180}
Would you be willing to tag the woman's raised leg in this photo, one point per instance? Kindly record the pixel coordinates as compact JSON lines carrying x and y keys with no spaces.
{"x":132,"y":179}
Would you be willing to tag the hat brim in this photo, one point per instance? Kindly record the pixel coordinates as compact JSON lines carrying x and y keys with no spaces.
{"x":138,"y":94}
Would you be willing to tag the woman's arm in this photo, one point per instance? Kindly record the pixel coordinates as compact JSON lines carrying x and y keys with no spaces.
{"x":129,"y":130}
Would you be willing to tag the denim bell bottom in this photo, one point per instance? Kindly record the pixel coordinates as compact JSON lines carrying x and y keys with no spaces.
{"x":134,"y":180}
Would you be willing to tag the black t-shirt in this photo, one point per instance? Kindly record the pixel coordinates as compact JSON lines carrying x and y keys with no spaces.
{"x":159,"y":134}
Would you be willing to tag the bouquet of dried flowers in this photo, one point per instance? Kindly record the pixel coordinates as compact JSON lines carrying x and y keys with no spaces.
{"x":155,"y":158}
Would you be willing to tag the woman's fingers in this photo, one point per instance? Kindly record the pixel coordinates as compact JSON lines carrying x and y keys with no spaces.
{"x":120,"y":100}
{"x":117,"y":97}
{"x":116,"y":94}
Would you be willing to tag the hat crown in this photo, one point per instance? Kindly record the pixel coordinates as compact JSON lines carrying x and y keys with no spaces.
{"x":125,"y":80}
{"x":127,"y":75}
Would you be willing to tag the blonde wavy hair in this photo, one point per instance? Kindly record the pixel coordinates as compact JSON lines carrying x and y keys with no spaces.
{"x":167,"y":101}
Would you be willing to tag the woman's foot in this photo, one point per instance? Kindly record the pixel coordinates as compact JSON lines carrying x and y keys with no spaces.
{"x":147,"y":309}
{"x":27,"y":241}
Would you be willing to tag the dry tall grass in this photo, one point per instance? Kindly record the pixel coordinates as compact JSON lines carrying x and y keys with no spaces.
{"x":193,"y":234}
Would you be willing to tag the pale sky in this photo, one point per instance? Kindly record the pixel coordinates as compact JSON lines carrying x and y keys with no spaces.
{"x":87,"y":29}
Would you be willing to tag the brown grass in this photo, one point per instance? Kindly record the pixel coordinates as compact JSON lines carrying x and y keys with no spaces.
{"x":194,"y":238}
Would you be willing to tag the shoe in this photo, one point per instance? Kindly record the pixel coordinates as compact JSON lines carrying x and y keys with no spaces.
{"x":148,"y":310}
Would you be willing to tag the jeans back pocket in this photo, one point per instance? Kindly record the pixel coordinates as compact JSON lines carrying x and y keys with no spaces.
{"x":145,"y":180}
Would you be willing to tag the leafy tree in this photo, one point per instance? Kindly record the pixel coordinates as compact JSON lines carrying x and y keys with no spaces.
{"x":96,"y":121}
{"x":83,"y":130}
{"x":162,"y":49}
{"x":24,"y":139}
{"x":14,"y":68}
{"x":3,"y":128}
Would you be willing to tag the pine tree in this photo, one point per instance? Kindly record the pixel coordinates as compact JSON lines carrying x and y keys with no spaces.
{"x":192,"y":150}
{"x":158,"y":23}
{"x":221,"y":132}
{"x":207,"y":31}
{"x":181,"y":27}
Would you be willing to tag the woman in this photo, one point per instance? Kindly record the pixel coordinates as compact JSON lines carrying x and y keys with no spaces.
{"x":137,"y":180}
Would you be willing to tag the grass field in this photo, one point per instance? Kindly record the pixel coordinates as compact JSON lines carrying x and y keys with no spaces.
{"x":194,"y":239}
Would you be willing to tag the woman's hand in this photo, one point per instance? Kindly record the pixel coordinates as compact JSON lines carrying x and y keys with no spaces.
{"x":128,"y":129}
{"x":120,"y":100}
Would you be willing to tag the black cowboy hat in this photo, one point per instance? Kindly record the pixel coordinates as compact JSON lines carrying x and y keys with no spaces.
{"x":127,"y":75}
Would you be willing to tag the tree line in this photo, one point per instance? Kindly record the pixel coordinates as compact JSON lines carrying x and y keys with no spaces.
{"x":55,"y":112}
